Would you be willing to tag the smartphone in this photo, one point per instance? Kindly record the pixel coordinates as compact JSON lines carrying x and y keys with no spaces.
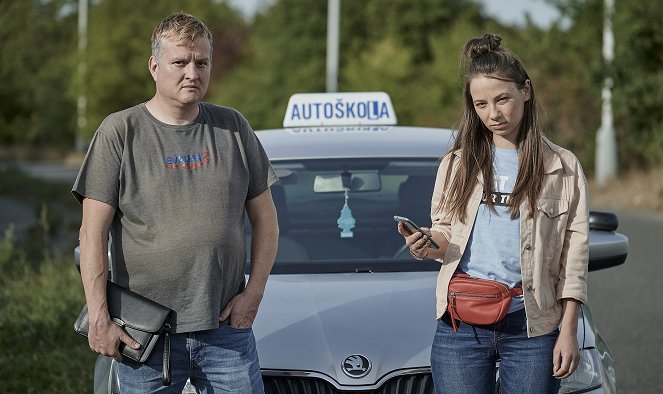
{"x":413,"y":228}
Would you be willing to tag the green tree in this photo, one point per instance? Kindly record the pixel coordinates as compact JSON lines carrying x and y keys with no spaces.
{"x":119,"y":49}
{"x":286,"y":55}
{"x":637,"y":72}
{"x":36,"y":47}
{"x":410,"y":24}
{"x":638,"y":91}
{"x":425,"y":93}
{"x":411,"y":51}
{"x":564,"y":61}
{"x":385,"y":45}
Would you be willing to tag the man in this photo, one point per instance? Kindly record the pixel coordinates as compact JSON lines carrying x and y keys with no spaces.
{"x":171,"y":179}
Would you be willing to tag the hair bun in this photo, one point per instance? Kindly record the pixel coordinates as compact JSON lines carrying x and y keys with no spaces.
{"x":481,"y":45}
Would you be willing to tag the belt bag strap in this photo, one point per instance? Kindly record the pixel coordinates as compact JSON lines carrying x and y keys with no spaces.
{"x":478,"y":301}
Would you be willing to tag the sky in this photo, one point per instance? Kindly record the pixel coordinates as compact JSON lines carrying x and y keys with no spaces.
{"x":513,"y":11}
{"x":507,"y":11}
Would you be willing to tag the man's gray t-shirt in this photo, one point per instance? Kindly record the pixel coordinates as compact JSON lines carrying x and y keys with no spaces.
{"x":179,"y":193}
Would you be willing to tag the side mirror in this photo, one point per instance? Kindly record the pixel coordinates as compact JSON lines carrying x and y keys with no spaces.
{"x":603,"y":221}
{"x":606,"y":247}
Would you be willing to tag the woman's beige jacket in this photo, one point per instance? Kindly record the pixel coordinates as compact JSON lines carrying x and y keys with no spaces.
{"x":554,"y":246}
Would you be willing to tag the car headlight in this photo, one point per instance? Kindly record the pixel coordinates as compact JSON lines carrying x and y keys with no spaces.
{"x":588,"y":376}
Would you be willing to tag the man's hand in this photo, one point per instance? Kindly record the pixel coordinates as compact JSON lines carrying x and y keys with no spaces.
{"x":242,"y":309}
{"x":104,"y":337}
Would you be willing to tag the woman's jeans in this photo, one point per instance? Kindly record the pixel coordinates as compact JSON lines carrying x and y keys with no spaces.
{"x":222,"y":360}
{"x":465,"y":361}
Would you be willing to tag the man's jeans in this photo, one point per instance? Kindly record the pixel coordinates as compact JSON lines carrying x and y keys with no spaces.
{"x":464,"y":361}
{"x":219,"y":360}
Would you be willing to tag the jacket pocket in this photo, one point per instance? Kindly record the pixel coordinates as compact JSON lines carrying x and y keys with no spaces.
{"x":553,"y":208}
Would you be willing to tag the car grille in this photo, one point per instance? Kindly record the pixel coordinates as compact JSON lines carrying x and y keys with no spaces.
{"x":406,"y":384}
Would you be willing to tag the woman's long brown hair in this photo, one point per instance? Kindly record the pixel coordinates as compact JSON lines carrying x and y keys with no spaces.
{"x":484,"y":57}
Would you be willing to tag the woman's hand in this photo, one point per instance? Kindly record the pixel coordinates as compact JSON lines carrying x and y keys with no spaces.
{"x":416,"y":241}
{"x":566,"y":353}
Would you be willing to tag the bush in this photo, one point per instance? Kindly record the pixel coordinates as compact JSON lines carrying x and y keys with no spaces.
{"x":12,"y":259}
{"x":41,"y":352}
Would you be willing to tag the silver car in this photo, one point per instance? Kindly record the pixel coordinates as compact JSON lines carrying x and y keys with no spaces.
{"x":353,"y":312}
{"x":346,"y":309}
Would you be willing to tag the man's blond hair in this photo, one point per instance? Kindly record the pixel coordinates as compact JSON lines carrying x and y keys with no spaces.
{"x":182,"y":28}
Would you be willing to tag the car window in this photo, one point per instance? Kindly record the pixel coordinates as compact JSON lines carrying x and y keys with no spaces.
{"x":323,"y":231}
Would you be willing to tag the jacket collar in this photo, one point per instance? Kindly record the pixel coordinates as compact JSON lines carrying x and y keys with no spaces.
{"x":551,"y":160}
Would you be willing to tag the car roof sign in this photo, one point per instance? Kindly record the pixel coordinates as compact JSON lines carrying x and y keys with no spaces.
{"x":339,"y":109}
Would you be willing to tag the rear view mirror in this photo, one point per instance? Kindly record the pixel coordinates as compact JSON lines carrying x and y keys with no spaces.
{"x":355,"y":182}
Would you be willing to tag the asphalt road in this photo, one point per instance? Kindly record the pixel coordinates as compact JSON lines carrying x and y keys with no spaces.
{"x":17,"y":215}
{"x":51,"y":171}
{"x":627,"y":308}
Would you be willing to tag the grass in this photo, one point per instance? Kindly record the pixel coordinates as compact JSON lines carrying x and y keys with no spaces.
{"x":41,"y":352}
{"x":41,"y":295}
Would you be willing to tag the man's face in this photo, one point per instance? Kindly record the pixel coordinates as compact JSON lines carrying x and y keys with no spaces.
{"x":182,"y":71}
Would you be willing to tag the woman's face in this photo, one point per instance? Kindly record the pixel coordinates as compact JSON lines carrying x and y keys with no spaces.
{"x":500,"y":106}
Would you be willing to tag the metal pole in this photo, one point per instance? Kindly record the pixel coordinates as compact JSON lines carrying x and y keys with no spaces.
{"x":81,"y":121}
{"x":606,"y":143}
{"x":333,"y":21}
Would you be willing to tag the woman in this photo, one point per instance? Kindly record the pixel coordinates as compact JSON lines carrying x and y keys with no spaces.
{"x":509,"y":206}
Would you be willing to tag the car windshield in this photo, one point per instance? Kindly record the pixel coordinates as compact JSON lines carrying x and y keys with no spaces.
{"x":336,"y":215}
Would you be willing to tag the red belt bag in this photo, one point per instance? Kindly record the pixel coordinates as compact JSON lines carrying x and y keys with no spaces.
{"x":478,"y":301}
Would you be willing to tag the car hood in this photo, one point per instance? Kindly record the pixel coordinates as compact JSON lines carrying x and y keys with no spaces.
{"x":314,"y":322}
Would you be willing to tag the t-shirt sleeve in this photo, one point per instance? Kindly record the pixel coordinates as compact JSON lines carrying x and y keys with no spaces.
{"x":261,"y":173}
{"x":98,"y":177}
